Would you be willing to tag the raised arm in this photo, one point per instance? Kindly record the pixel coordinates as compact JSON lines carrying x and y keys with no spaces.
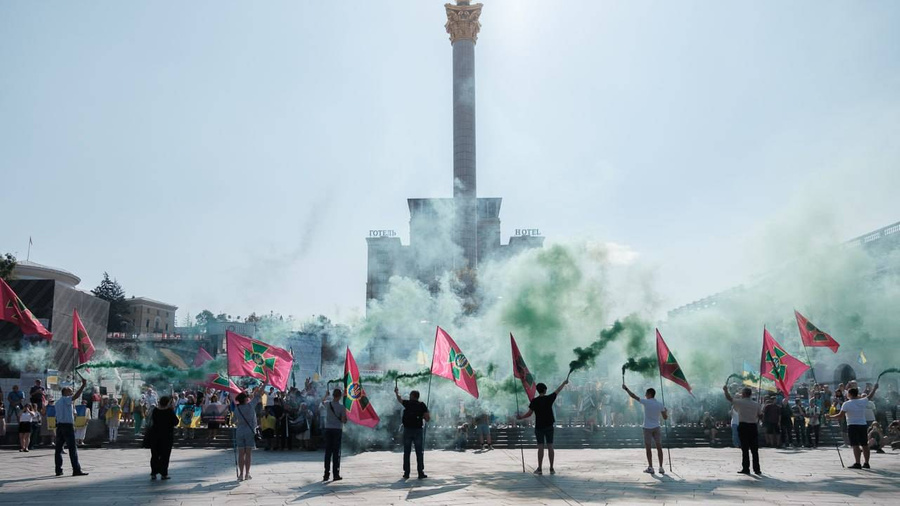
{"x":80,"y":389}
{"x":397,"y":394}
{"x":727,"y":393}
{"x":561,"y":386}
{"x":630,"y":393}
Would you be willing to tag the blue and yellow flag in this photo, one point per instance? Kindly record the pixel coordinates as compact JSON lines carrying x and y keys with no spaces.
{"x":861,"y":358}
{"x":422,"y":355}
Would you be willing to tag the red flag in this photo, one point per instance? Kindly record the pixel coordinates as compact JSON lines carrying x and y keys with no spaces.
{"x":215,"y":381}
{"x":812,"y":336}
{"x":201,"y":358}
{"x":13,"y":310}
{"x":359,"y":409}
{"x":520,"y":370}
{"x":256,"y":359}
{"x":668,"y":366}
{"x":777,"y":365}
{"x":80,"y":339}
{"x":449,"y":362}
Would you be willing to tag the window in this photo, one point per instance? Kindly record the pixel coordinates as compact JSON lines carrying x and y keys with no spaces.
{"x":148,"y":323}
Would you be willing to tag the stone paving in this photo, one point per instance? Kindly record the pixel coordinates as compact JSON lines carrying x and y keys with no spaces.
{"x":203,"y":477}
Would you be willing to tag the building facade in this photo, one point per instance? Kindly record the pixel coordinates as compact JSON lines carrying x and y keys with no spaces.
{"x":148,"y":316}
{"x":448,"y":234}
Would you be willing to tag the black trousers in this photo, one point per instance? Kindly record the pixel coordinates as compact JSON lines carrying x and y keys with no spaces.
{"x":159,"y":457}
{"x":65,"y":435}
{"x":413,"y":437}
{"x":749,"y":436}
{"x":814,"y":434}
{"x":333,"y":450}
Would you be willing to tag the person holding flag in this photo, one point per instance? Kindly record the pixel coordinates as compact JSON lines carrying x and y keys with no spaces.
{"x":65,"y":430}
{"x":854,"y":409}
{"x":335,"y":418}
{"x":245,"y":432}
{"x":749,"y":413}
{"x":542,"y":408}
{"x":414,"y":414}
{"x":653,"y":409}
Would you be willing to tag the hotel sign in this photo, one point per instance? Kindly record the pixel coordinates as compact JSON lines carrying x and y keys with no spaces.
{"x":532,"y":232}
{"x":382,"y":233}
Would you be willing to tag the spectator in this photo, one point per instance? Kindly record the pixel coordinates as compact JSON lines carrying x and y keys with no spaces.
{"x":462,"y":437}
{"x":113,"y":417}
{"x":799,"y":419}
{"x":267,"y":426}
{"x":771,"y":421}
{"x":36,"y":395}
{"x":16,"y":399}
{"x":35,"y":439}
{"x":709,"y":427}
{"x":814,"y":414}
{"x":875,"y":437}
{"x":25,"y":420}
{"x":735,"y":423}
{"x":787,"y":426}
{"x":281,"y":427}
{"x":2,"y":419}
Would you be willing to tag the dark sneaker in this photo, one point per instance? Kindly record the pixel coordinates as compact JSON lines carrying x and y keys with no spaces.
{"x":80,"y":473}
{"x":406,"y":476}
{"x":744,"y":471}
{"x":757,"y":472}
{"x":164,"y":477}
{"x":866,"y":466}
{"x":856,"y":466}
{"x":552,"y":471}
{"x":59,"y":473}
{"x":326,"y":477}
{"x":422,"y":476}
{"x":337,"y":477}
{"x":152,"y":476}
{"x":538,"y":471}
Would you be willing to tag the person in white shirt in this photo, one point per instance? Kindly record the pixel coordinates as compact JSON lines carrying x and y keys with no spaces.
{"x":749,"y":412}
{"x":653,"y":409}
{"x":735,"y":423}
{"x":854,"y":409}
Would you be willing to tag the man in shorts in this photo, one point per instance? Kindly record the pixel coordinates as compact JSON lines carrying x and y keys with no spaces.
{"x":542,"y":408}
{"x":857,"y":430}
{"x":653,"y":409}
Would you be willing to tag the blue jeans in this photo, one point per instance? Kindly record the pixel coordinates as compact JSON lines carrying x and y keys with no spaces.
{"x":735,"y":440}
{"x":411,"y":436}
{"x":65,"y":434}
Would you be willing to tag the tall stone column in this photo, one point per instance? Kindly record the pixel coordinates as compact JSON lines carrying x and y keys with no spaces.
{"x":463,"y":27}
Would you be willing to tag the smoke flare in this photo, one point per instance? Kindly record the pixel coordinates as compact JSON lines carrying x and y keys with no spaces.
{"x":886,"y":371}
{"x":631,"y":325}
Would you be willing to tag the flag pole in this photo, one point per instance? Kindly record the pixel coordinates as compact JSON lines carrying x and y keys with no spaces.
{"x":830,"y":427}
{"x":521,"y":449}
{"x":662,"y":392}
{"x":430,"y":377}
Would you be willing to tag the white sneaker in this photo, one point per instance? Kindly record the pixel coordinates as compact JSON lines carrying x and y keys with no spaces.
{"x":649,"y":470}
{"x":662,"y":470}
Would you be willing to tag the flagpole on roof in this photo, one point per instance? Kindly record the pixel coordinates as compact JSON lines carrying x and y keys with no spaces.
{"x":813,"y":369}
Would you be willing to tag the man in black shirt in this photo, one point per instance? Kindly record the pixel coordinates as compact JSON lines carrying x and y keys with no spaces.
{"x":414,"y":412}
{"x":542,"y":407}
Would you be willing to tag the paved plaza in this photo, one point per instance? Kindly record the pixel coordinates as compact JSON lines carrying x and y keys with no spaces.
{"x":203,"y":477}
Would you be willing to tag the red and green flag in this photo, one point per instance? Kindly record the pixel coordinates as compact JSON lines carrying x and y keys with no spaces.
{"x":14,"y":311}
{"x":668,"y":366}
{"x":359,"y":409}
{"x":256,"y":359}
{"x":450,"y":362}
{"x":812,"y":336}
{"x":778,"y":365}
{"x":80,"y":339}
{"x":216,"y":381}
{"x":520,"y":370}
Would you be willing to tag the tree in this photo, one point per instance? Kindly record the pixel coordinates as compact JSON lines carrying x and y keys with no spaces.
{"x":205,"y":317}
{"x":222,"y":317}
{"x":7,"y":264}
{"x":111,"y":291}
{"x":252,"y":318}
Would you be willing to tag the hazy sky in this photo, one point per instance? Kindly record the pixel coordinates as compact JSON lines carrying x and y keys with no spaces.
{"x":234,"y":155}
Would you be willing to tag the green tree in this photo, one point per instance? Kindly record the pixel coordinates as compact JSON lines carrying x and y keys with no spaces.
{"x":111,"y":291}
{"x":204,"y":317}
{"x":7,"y":264}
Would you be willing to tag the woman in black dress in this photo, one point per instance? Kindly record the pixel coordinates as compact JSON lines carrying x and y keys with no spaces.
{"x":161,"y":437}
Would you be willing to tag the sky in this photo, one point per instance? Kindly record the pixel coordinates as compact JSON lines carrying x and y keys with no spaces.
{"x":233,"y":156}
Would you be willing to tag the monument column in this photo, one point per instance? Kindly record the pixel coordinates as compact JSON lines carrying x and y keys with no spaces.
{"x":463,"y":27}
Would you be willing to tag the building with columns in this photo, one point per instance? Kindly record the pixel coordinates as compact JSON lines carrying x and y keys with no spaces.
{"x":449,"y":234}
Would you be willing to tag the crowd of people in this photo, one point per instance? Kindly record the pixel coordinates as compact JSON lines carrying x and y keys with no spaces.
{"x":302,"y":418}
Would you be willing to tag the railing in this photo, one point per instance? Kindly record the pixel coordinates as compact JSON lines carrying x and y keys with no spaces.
{"x":153,"y":336}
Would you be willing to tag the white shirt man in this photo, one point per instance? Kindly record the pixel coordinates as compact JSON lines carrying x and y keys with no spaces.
{"x":653,"y":409}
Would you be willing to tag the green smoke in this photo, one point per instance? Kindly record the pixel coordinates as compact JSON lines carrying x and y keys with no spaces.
{"x":163,"y":372}
{"x":29,"y":358}
{"x":632,"y":326}
{"x":644,"y":366}
{"x":391,"y":375}
{"x":886,"y":371}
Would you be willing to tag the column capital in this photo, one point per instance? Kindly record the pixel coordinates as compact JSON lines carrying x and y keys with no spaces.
{"x":462,"y":20}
